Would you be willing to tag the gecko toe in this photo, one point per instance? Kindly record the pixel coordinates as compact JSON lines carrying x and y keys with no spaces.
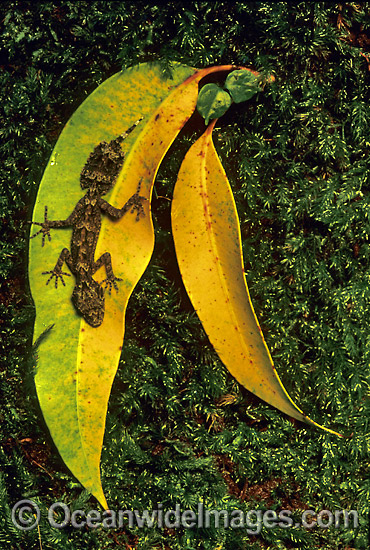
{"x":115,"y":283}
{"x":57,"y":275}
{"x":109,"y":283}
{"x":35,"y":235}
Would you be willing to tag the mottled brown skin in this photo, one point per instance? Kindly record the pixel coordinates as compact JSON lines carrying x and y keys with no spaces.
{"x":98,"y":177}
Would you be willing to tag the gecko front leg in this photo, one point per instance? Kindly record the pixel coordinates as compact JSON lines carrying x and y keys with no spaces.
{"x":65,"y":256}
{"x":135,"y":202}
{"x":47,"y":224}
{"x":45,"y":227}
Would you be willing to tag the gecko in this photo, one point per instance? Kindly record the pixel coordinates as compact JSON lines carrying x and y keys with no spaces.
{"x":98,"y":176}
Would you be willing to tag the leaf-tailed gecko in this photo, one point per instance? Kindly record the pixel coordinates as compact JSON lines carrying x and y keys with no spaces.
{"x":98,"y":177}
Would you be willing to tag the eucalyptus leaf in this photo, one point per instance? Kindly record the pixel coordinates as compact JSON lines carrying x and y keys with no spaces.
{"x":77,"y":362}
{"x":242,"y":85}
{"x":74,"y":395}
{"x":206,"y":233}
{"x":213,"y":102}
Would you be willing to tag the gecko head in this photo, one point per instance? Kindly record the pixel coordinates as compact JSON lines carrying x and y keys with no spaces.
{"x":102,"y":167}
{"x":88,"y":299}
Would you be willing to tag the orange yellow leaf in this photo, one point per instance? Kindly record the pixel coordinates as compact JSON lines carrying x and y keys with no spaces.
{"x":207,"y":239}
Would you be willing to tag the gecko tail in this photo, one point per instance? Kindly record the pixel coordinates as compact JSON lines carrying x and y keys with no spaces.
{"x":124,"y":135}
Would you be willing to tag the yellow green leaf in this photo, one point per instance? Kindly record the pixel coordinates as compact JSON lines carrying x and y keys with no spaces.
{"x":207,"y":239}
{"x":76,"y":363}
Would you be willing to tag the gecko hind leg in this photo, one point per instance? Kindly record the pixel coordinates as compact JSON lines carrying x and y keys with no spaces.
{"x":111,"y":280}
{"x":65,"y":256}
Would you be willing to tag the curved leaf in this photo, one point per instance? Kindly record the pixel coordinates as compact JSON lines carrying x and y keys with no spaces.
{"x":77,"y":363}
{"x":207,"y":240}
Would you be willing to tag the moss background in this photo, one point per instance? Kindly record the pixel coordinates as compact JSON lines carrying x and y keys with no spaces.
{"x":179,"y":428}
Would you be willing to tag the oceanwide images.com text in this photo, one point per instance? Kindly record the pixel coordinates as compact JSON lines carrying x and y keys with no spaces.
{"x":26,"y":515}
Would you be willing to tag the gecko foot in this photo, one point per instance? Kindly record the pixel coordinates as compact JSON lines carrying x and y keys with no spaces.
{"x":45,"y":228}
{"x":136,"y":204}
{"x":57,"y":275}
{"x":110,"y":282}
